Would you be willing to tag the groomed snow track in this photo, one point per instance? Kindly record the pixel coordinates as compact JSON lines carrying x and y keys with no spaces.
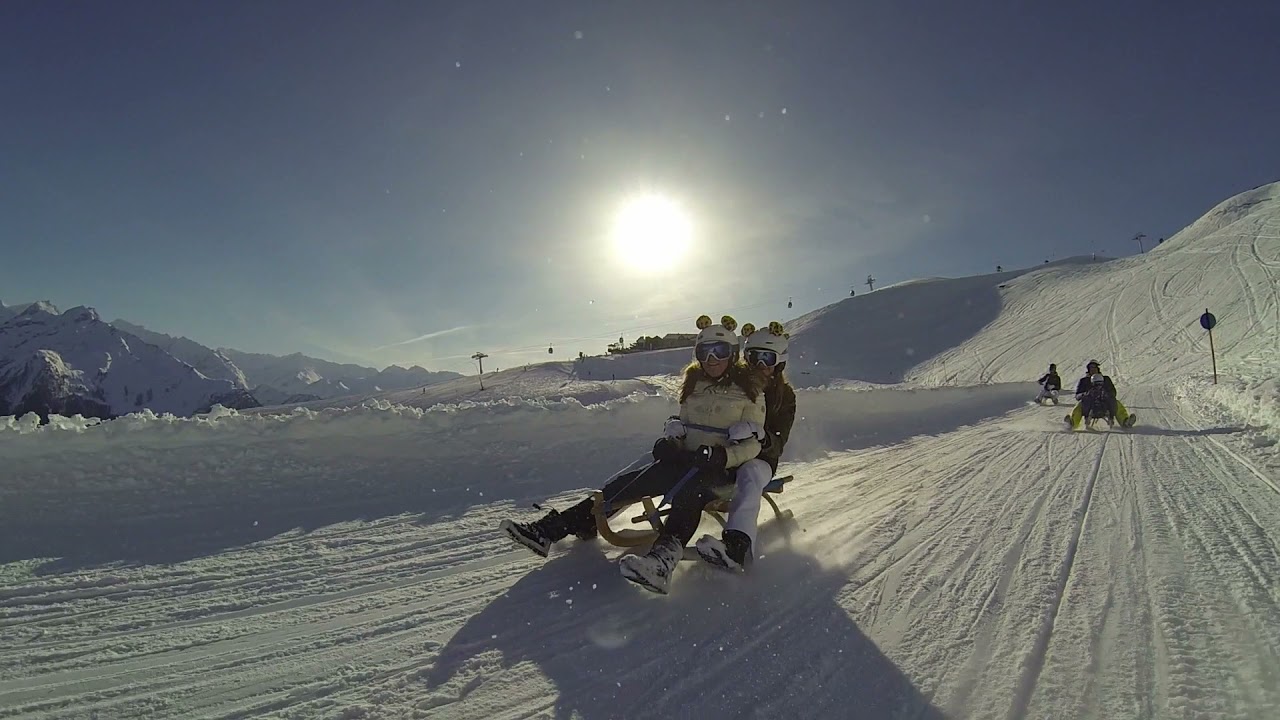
{"x":1000,"y":568}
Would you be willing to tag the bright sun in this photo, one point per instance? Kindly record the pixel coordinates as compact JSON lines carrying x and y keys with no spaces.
{"x":651,"y":233}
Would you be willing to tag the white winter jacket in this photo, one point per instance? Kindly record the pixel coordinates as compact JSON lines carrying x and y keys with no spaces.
{"x":720,"y":406}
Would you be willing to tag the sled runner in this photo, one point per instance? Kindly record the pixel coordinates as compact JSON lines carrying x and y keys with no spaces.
{"x":652,"y":516}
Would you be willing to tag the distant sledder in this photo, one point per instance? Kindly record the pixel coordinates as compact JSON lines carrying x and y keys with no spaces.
{"x":1050,"y":386}
{"x":1098,"y":400}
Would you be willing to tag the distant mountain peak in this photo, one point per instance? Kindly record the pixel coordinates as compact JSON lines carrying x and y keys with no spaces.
{"x":38,"y":308}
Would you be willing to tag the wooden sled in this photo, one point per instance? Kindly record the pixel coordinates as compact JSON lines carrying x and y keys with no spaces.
{"x":630,"y":537}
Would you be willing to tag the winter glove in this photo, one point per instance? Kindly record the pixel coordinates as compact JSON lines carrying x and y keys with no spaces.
{"x":711,"y":457}
{"x":744,"y":429}
{"x":667,"y":450}
{"x":674,"y":428}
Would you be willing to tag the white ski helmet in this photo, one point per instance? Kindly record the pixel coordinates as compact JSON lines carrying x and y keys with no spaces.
{"x":722,"y":333}
{"x":774,"y":339}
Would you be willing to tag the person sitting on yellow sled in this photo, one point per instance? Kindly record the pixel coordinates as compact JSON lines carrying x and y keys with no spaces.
{"x":1086,"y":395}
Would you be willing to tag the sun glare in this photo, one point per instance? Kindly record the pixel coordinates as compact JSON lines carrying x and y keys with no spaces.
{"x":651,"y":233}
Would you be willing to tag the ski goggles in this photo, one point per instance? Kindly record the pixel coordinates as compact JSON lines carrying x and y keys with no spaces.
{"x":719,"y":350}
{"x":760,"y":356}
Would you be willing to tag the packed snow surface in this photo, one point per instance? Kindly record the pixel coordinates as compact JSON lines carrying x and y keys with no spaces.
{"x":956,"y":552}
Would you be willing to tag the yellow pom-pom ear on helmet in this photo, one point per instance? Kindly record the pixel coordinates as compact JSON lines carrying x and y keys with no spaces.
{"x":748,"y":329}
{"x":729,"y":323}
{"x":704,"y":322}
{"x":771,"y":339}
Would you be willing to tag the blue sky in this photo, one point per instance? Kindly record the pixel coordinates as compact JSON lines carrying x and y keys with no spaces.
{"x":413,"y":182}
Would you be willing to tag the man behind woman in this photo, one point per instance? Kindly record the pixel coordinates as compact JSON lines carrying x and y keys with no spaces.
{"x":714,"y":443}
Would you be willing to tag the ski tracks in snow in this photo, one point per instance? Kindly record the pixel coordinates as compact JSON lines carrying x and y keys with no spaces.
{"x":308,"y":610}
{"x":1173,"y":609}
{"x":1015,"y":570}
{"x":1002,"y":570}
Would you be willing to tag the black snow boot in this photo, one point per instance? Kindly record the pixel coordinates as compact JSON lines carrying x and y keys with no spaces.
{"x":538,"y":535}
{"x":730,"y":552}
{"x":580,"y":520}
{"x":553,"y":527}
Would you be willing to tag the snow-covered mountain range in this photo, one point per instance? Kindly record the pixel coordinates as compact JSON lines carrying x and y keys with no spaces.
{"x":276,"y":380}
{"x":74,"y":362}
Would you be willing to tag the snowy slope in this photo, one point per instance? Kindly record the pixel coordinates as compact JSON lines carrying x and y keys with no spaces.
{"x":1140,"y":315}
{"x":73,"y":362}
{"x":881,"y":337}
{"x":210,"y":362}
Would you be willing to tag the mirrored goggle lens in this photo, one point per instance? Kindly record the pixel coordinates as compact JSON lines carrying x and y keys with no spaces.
{"x":719,"y":350}
{"x":767,"y":358}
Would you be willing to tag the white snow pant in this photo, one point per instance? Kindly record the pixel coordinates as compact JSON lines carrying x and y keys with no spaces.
{"x":744,"y":508}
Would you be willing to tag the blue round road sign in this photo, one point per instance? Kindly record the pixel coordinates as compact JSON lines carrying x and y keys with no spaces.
{"x":1207,"y":320}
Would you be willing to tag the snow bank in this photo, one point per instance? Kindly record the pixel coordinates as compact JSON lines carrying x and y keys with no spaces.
{"x":130,"y":487}
{"x":1253,"y":404}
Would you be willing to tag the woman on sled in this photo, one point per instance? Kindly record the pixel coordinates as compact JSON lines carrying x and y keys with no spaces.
{"x":694,"y":458}
{"x":766,"y":354}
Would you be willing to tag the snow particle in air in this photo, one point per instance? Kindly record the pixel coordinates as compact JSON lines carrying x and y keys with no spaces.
{"x":457,"y":64}
{"x":577,"y":34}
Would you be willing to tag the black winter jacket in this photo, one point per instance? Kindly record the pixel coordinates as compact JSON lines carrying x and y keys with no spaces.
{"x":1085,"y":385}
{"x":1055,"y":382}
{"x":779,"y":416}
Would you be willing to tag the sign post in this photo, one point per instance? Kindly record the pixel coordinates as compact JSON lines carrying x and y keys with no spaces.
{"x":1208,"y":321}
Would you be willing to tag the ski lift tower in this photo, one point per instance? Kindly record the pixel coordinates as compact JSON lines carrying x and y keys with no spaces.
{"x":871,"y":283}
{"x":1140,"y":237}
{"x":479,"y":357}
